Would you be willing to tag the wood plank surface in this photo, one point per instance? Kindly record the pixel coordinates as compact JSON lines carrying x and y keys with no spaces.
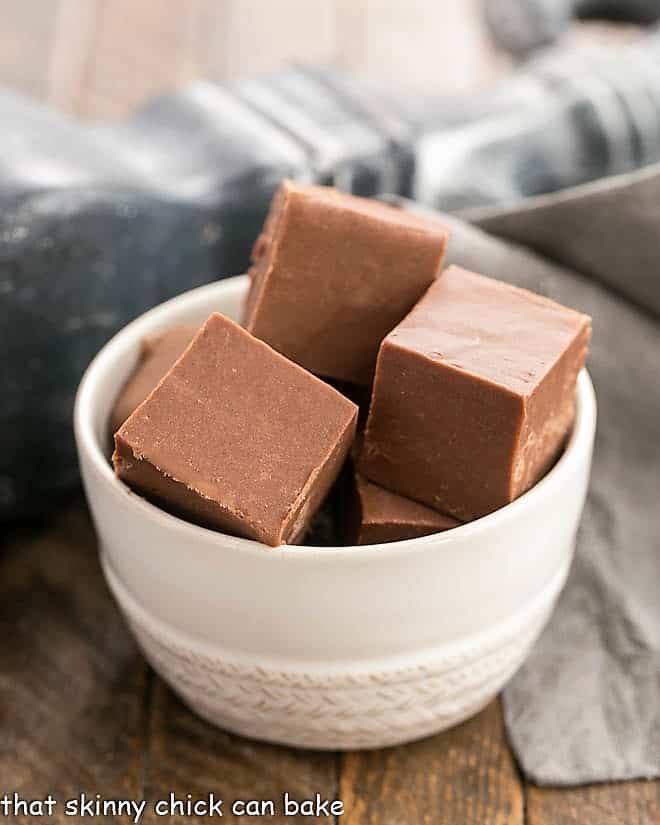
{"x":423,"y":46}
{"x":187,"y":756}
{"x":260,"y":36}
{"x":72,"y":682}
{"x":622,"y":803}
{"x":71,"y":53}
{"x":101,"y":58}
{"x":27,"y":31}
{"x":465,"y":776}
{"x":137,"y":51}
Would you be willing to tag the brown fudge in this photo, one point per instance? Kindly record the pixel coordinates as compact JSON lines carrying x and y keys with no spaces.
{"x":474,"y":394}
{"x":376,"y":515}
{"x":238,"y":438}
{"x":334,"y":273}
{"x":157,"y":355}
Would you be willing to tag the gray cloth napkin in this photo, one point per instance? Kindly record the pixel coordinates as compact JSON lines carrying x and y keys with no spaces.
{"x":608,"y":229}
{"x":585,"y":707}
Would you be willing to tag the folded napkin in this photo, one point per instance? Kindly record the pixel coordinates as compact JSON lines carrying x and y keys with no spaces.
{"x":586,"y":705}
{"x":607,"y":229}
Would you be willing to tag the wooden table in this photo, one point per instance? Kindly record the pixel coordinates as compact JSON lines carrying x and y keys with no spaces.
{"x":80,"y":711}
{"x":101,"y":58}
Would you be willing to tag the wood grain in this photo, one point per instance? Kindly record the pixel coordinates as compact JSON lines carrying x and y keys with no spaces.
{"x":187,"y":756}
{"x":137,"y":51}
{"x":424,"y":46}
{"x":261,"y":36}
{"x":27,"y":31}
{"x":623,"y":803}
{"x":72,"y":683}
{"x":465,"y":775}
{"x":71,"y":52}
{"x":101,"y":58}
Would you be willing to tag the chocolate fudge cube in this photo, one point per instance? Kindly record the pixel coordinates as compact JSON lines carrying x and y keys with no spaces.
{"x":334,"y":273}
{"x":376,"y":515}
{"x":474,"y":394}
{"x":157,"y":356}
{"x":237,"y":438}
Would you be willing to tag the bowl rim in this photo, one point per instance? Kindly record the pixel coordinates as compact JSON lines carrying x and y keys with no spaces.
{"x":577,"y":449}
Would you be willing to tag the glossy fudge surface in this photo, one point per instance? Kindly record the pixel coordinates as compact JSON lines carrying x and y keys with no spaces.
{"x":334,"y":273}
{"x":157,"y":355}
{"x":474,"y":394}
{"x":378,"y":515}
{"x":237,"y":438}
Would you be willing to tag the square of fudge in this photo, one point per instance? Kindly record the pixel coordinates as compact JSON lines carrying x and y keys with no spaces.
{"x":374,"y":515}
{"x":333,"y":273}
{"x":157,"y":356}
{"x":474,"y":394}
{"x":237,"y":438}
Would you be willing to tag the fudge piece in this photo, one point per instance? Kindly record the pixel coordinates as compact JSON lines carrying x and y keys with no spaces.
{"x":474,"y":394}
{"x":157,"y":355}
{"x":332,"y":274}
{"x":376,"y":515}
{"x":238,"y":438}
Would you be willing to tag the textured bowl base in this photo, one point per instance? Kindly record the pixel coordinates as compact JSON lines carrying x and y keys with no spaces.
{"x":359,"y":705}
{"x":373,"y":710}
{"x":351,"y":740}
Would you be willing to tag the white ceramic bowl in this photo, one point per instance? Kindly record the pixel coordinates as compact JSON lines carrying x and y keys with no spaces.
{"x":343,"y":647}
